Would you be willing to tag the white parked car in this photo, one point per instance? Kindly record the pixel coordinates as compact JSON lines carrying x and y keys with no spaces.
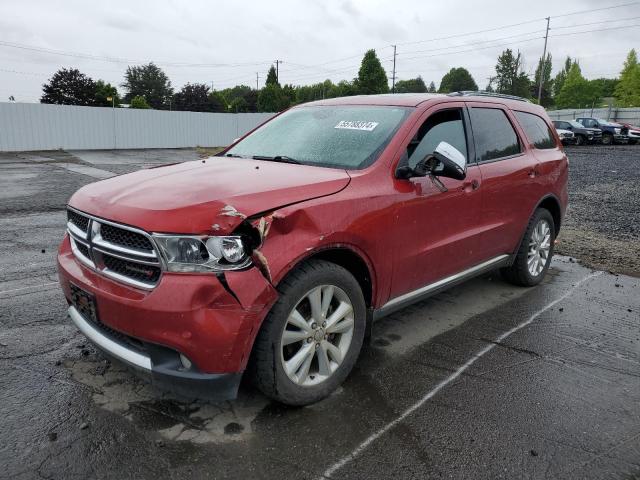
{"x":566,"y":136}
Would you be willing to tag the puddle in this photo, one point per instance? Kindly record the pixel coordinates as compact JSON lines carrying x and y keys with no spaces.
{"x":116,"y":389}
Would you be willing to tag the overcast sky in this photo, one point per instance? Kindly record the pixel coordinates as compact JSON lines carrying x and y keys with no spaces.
{"x":315,"y":39}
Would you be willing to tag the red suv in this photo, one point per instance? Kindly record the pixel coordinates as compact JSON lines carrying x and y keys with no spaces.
{"x":274,"y":257}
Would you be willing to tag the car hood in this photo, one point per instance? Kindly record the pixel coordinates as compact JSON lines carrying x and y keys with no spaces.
{"x":204,"y":196}
{"x":562,"y":131}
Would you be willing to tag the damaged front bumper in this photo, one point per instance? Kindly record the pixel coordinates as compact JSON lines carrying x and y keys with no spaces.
{"x":208,"y":320}
{"x":162,"y":366}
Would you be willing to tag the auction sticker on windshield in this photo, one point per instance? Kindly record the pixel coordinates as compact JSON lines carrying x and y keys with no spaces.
{"x":356,"y":125}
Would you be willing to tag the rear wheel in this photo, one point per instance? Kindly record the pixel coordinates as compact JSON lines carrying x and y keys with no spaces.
{"x":534,"y":256}
{"x":312,"y":337}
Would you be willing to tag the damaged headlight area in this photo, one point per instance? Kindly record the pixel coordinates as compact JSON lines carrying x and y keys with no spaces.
{"x":183,"y":253}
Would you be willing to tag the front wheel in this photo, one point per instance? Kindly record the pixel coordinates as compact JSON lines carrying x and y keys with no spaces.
{"x":607,"y":139}
{"x":534,"y":255}
{"x":312,"y":337}
{"x":579,"y":140}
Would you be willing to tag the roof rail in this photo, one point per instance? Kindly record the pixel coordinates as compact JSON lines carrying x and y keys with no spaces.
{"x":481,"y":93}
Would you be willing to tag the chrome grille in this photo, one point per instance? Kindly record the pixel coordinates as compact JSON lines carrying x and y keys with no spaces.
{"x":120,"y":252}
{"x":125,"y":238}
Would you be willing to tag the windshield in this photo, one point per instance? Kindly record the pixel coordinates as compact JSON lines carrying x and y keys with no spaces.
{"x":344,"y":136}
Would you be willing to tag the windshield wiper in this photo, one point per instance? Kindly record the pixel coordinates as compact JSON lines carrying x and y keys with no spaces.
{"x":234,"y":155}
{"x":277,"y":158}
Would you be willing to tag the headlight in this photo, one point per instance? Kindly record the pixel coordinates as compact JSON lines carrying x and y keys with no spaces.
{"x":202,"y":254}
{"x":617,"y":130}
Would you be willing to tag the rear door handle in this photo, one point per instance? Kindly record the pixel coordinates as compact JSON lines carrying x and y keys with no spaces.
{"x":533,"y":173}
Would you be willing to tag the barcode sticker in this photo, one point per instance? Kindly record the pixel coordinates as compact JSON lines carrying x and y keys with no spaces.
{"x":356,"y":125}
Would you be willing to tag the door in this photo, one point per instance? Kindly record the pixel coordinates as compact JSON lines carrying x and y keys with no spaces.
{"x":509,"y":172}
{"x":436,"y":231}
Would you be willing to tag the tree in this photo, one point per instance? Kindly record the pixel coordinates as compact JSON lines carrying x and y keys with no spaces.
{"x":605,"y":86}
{"x":242,"y":98}
{"x":432,"y":87}
{"x":195,"y":97}
{"x":104,"y":91}
{"x":413,"y":85}
{"x":372,"y":78}
{"x":457,"y":80}
{"x":69,"y":87}
{"x":139,"y":102}
{"x":150,"y":82}
{"x":218,"y":102}
{"x":544,"y":70}
{"x":558,"y":82}
{"x":627,"y":91}
{"x":576,"y":90}
{"x":510,"y":77}
{"x":272,"y":99}
{"x":272,"y":77}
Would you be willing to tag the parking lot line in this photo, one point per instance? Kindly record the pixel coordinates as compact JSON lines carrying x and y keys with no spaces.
{"x":26,"y":288}
{"x":428,"y":396}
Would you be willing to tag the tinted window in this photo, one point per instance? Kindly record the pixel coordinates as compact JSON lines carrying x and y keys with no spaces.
{"x":340,"y":136}
{"x":537,"y":130}
{"x":443,"y":126}
{"x":493,"y":134}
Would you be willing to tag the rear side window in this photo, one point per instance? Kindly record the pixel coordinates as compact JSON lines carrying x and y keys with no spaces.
{"x":494,"y":136}
{"x":536,"y":130}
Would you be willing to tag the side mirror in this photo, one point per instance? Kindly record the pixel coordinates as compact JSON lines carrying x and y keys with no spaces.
{"x":446,"y":161}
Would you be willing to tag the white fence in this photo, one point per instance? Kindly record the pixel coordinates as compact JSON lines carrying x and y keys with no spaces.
{"x":622,"y":115}
{"x":34,"y":126}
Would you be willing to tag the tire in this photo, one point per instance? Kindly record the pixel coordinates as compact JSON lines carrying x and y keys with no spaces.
{"x":607,"y":139}
{"x":580,"y":140}
{"x":520,"y":273}
{"x":270,"y":354}
{"x":632,"y":142}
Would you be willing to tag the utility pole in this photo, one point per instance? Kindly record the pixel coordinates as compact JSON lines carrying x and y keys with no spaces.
{"x":393,"y":78}
{"x":544,"y":55}
{"x":257,"y":77}
{"x":277,"y":70}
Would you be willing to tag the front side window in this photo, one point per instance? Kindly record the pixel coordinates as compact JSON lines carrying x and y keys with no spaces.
{"x":536,"y":130}
{"x":443,"y":126}
{"x":493,"y":134}
{"x":342,"y":136}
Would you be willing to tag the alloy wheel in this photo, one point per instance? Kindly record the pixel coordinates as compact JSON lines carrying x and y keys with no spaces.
{"x":539,"y":248}
{"x":317,"y":335}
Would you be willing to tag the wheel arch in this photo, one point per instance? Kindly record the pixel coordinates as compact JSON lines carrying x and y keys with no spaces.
{"x":346,"y":256}
{"x":551,"y":203}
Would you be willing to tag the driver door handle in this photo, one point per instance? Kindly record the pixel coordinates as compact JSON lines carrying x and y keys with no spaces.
{"x":470,"y":185}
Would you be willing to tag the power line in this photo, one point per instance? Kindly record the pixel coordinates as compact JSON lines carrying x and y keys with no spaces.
{"x":595,"y":10}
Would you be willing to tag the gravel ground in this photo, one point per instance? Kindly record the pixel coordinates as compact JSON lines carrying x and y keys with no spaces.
{"x":602,"y":227}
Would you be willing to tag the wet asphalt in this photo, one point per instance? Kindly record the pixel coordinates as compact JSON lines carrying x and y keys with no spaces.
{"x":482,"y":381}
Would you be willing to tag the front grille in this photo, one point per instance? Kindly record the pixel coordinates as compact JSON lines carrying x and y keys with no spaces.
{"x":122,"y":253}
{"x":84,"y":250}
{"x":125,"y":238}
{"x":78,"y":220}
{"x":137,"y":271}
